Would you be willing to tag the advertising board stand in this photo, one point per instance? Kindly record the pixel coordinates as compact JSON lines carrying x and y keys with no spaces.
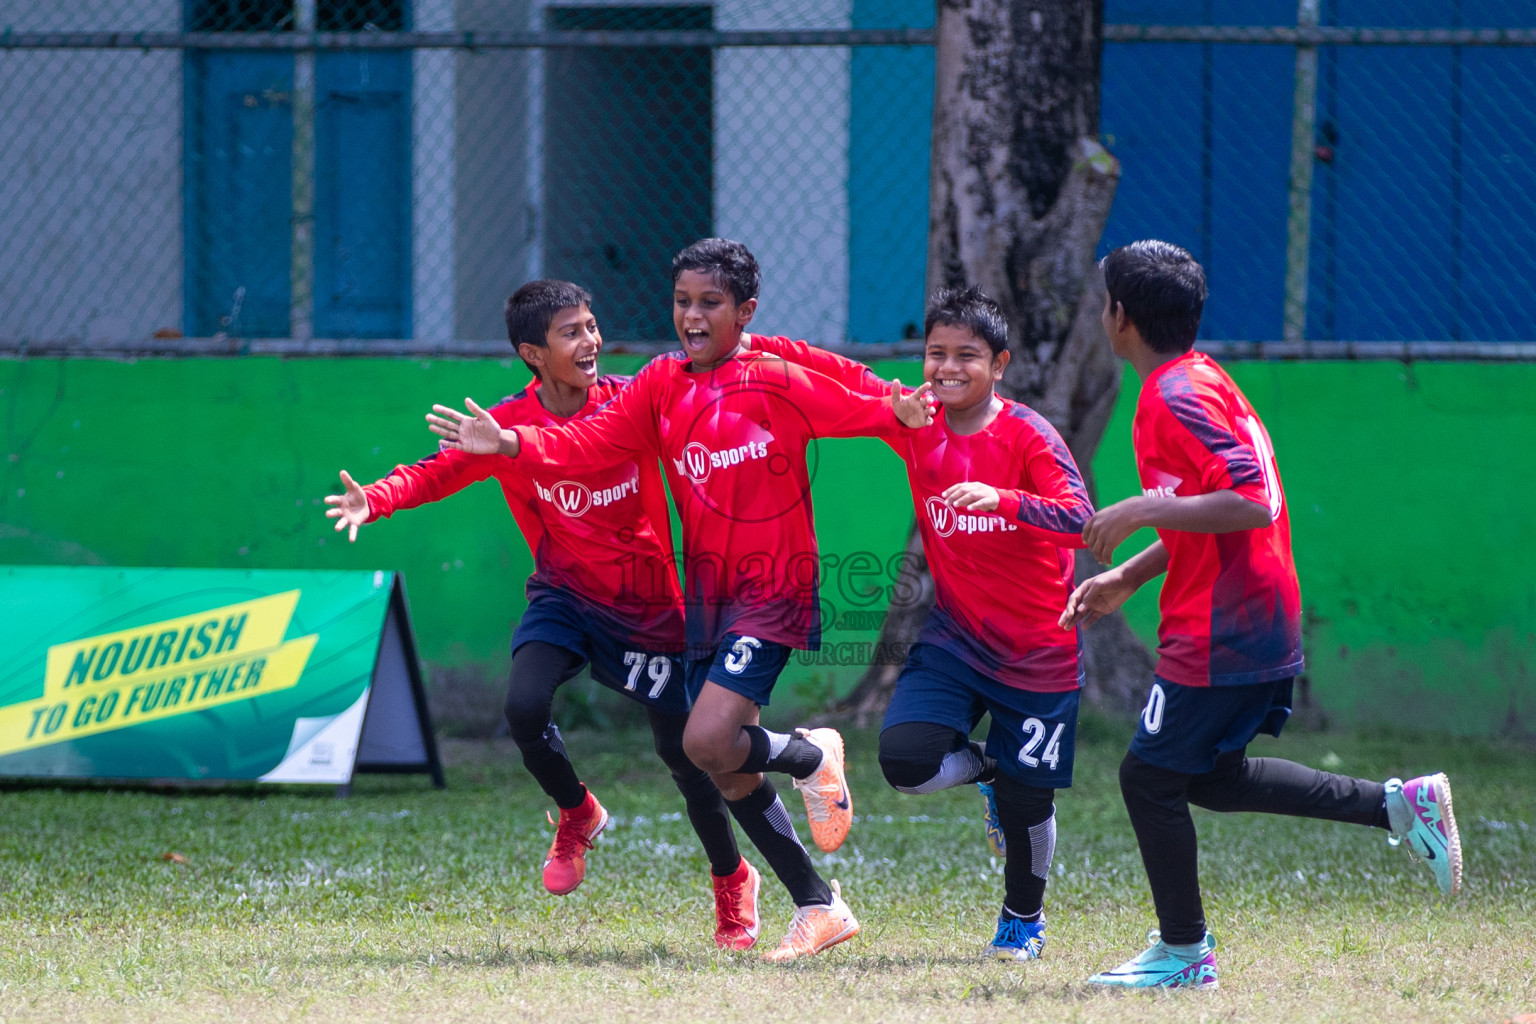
{"x":208,"y":675}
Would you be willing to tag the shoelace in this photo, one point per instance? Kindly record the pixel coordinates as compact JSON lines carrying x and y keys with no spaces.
{"x":569,"y":837}
{"x":730,"y":906}
{"x":1017,"y":931}
{"x":820,"y":808}
{"x":800,"y":935}
{"x":824,"y":793}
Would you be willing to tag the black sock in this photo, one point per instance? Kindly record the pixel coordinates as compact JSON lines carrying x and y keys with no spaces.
{"x":1023,"y":917}
{"x":762,"y":817}
{"x":1028,"y":818}
{"x":711,"y":822}
{"x":547,"y":762}
{"x":796,"y":755}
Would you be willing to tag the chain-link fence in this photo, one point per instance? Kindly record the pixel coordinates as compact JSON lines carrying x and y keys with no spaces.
{"x":377,"y":175}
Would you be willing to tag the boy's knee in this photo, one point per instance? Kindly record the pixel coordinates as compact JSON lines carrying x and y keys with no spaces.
{"x":908,"y":773}
{"x":712,"y":750}
{"x":669,"y":747}
{"x":527,"y":719}
{"x":912,"y":754}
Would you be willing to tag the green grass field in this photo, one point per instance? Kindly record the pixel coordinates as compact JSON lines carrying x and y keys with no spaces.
{"x":401,"y":903}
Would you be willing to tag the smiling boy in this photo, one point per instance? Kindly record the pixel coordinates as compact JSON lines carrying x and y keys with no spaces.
{"x":999,"y":503}
{"x":732,"y":425}
{"x":603,"y":591}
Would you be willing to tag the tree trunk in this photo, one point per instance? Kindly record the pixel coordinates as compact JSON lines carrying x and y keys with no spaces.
{"x":1019,"y":192}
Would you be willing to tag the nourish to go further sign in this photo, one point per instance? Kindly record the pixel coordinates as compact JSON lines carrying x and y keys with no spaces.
{"x":277,"y":676}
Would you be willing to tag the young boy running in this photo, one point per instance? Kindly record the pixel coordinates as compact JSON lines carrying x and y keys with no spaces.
{"x":1230,"y":637}
{"x":732,"y":426}
{"x":998,"y":551}
{"x":603,"y":591}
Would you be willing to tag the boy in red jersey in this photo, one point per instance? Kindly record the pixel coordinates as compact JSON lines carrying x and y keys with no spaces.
{"x":1000,"y":503}
{"x":602,"y":592}
{"x":732,"y":425}
{"x":1230,"y":637}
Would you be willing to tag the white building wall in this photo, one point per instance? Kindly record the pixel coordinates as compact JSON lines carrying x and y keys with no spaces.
{"x":781,"y":163}
{"x":496,"y":193}
{"x":90,"y":177}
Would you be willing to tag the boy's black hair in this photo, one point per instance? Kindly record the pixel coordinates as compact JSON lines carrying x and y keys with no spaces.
{"x":971,"y":309}
{"x":730,"y":263}
{"x":532,"y":308}
{"x":1162,"y":288}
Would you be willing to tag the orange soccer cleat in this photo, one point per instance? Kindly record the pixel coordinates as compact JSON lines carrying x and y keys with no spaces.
{"x":828,"y":804}
{"x":815,"y":929}
{"x":577,"y":830}
{"x":736,"y":922}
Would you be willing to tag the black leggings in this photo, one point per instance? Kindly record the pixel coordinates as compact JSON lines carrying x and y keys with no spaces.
{"x":1158,"y":802}
{"x":538,"y":670}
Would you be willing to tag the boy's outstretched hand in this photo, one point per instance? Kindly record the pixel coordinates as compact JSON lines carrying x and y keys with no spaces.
{"x":475,"y":434}
{"x":914,"y":408}
{"x":349,"y":509}
{"x":973,"y":496}
{"x":1095,"y":598}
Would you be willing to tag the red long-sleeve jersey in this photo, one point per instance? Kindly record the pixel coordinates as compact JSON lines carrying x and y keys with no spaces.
{"x":1231,"y":603}
{"x":601,"y":534}
{"x":733,"y":442}
{"x":1000,"y":578}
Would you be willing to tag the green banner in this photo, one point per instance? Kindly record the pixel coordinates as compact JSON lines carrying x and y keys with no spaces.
{"x":205,"y":674}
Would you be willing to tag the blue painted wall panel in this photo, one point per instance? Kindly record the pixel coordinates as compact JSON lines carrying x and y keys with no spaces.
{"x":1250,"y":170}
{"x":1382,"y":244}
{"x":1498,"y":209}
{"x":1151,"y":121}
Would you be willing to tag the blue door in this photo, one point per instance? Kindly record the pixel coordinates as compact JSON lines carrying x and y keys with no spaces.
{"x":362,"y":195}
{"x":239,"y":194}
{"x":239,"y":174}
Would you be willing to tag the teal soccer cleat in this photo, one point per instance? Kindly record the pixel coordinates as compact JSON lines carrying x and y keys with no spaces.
{"x":1017,"y":939}
{"x":995,"y":841}
{"x":1165,"y":966}
{"x":1420,"y":812}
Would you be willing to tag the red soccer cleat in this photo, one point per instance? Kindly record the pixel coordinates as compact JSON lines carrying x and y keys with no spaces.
{"x":736,"y":922}
{"x":577,"y":830}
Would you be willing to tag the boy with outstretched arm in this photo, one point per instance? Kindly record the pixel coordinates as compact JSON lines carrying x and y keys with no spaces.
{"x":603,"y":591}
{"x":1000,"y":503}
{"x":1229,"y":643}
{"x":732,"y":425}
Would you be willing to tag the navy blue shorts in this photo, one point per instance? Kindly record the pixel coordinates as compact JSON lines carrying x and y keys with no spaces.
{"x":654,"y":679}
{"x":1032,"y":735}
{"x":741,"y":664}
{"x":1185,"y":728}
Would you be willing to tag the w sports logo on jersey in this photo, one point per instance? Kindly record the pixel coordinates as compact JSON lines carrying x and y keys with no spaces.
{"x":574,"y":498}
{"x":698,"y":462}
{"x":946,"y":520}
